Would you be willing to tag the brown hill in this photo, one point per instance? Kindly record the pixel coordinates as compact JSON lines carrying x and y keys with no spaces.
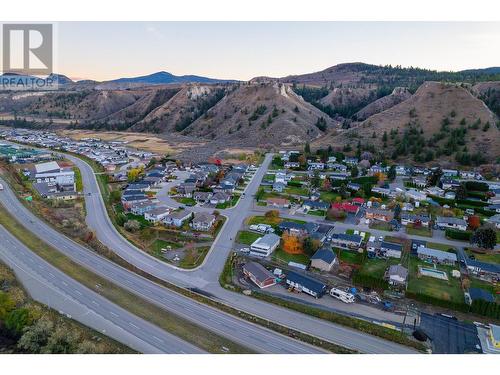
{"x":261,"y":114}
{"x":398,"y":95}
{"x":434,"y":115}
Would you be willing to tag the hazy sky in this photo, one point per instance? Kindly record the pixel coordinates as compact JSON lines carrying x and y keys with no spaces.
{"x":242,"y":50}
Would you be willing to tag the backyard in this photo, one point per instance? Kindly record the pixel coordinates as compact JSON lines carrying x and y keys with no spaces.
{"x":247,"y":238}
{"x":283,"y":256}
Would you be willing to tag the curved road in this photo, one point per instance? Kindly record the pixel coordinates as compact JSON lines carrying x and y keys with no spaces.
{"x":206,"y":276}
{"x":49,"y":285}
{"x":238,"y":330}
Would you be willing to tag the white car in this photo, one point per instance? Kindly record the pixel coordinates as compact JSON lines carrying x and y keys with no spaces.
{"x":245,"y":250}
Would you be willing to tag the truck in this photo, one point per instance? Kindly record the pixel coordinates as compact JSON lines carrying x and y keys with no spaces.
{"x":342,"y":295}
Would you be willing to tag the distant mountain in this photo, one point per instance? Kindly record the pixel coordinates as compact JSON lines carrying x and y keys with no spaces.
{"x":492,"y":70}
{"x":164,"y":78}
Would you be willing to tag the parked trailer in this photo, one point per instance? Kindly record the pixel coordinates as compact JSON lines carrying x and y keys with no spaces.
{"x":342,"y":295}
{"x":1,"y":187}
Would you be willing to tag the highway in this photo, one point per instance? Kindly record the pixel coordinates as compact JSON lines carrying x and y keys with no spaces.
{"x":48,"y":285}
{"x":238,"y":330}
{"x":206,"y":276}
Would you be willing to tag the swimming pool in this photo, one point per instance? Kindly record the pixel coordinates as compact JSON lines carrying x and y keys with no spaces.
{"x":431,"y":272}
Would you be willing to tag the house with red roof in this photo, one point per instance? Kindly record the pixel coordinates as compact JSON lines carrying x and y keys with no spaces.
{"x":346,"y":207}
{"x":358,"y":201}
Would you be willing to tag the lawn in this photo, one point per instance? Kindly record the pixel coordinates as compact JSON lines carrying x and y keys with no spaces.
{"x":367,"y":234}
{"x":279,"y":254}
{"x":450,"y":290}
{"x":231,"y":203}
{"x":294,"y":190}
{"x":347,"y":256}
{"x":246,"y":237}
{"x":320,"y":213}
{"x":194,"y":257}
{"x":422,"y":231}
{"x":376,"y":267}
{"x":487,"y":257}
{"x":493,"y":289}
{"x":78,"y":179}
{"x":144,"y":223}
{"x":441,"y":246}
{"x":380,"y":225}
{"x":270,"y":220}
{"x":328,"y":196}
{"x":157,"y":245}
{"x":187,"y":201}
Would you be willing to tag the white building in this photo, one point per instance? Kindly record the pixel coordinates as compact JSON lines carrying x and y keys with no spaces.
{"x":264,"y":246}
{"x":51,"y":172}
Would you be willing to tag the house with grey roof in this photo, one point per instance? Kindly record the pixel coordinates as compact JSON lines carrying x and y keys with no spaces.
{"x":436,"y":256}
{"x":443,"y":222}
{"x":202,"y":221}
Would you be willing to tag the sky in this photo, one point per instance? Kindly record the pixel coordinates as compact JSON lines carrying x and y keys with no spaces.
{"x":243,"y":50}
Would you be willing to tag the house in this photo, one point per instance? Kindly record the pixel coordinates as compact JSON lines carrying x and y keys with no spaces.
{"x":259,"y":275}
{"x":292,"y":164}
{"x":416,"y":195}
{"x":449,"y":183}
{"x":177,"y":218}
{"x":494,"y":207}
{"x":219,"y":198}
{"x":324,"y":259}
{"x":346,"y":241}
{"x":443,"y":223}
{"x":279,"y":187}
{"x":377,"y":168}
{"x":315,"y":166}
{"x":423,"y":219}
{"x":495,"y":220}
{"x":157,"y":214}
{"x":202,"y":221}
{"x":477,"y":294}
{"x":351,"y":161}
{"x":129,"y":200}
{"x":436,"y":256}
{"x":346,"y":207}
{"x":337,"y":167}
{"x":315,"y":205}
{"x":264,"y":246}
{"x":186,"y":189}
{"x":434,"y":190}
{"x":51,"y":172}
{"x":450,"y":172}
{"x":140,"y":208}
{"x":202,"y":196}
{"x":379,"y":214}
{"x":353,"y":186}
{"x":298,"y":229}
{"x":305,"y":284}
{"x":391,"y":250}
{"x":419,"y":181}
{"x":331,"y":159}
{"x":50,"y":191}
{"x":373,"y":246}
{"x":450,"y":195}
{"x":278,"y":202}
{"x":358,"y":201}
{"x":483,"y":270}
{"x":397,"y":275}
{"x":339,"y":176}
{"x":385,"y":192}
{"x":495,"y":335}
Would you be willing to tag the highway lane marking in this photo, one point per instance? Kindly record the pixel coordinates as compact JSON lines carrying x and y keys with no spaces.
{"x":64,"y":283}
{"x":114,"y":314}
{"x":95,"y":303}
{"x":158,"y":339}
{"x":78,"y":292}
{"x":133,"y":325}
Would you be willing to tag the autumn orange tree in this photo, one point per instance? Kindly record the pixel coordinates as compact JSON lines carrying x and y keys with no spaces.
{"x":292,"y":244}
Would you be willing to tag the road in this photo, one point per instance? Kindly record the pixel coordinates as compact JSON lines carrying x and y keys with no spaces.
{"x":205,"y":277}
{"x":238,"y":330}
{"x":48,"y":285}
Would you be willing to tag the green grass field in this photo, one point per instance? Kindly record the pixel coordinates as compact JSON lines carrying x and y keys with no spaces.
{"x":450,"y":290}
{"x":279,"y":254}
{"x":294,"y":190}
{"x":347,"y":256}
{"x":441,"y":246}
{"x":422,"y":231}
{"x":328,"y":196}
{"x":246,"y":237}
{"x":376,"y":267}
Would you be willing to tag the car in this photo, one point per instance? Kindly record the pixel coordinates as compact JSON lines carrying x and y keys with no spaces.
{"x":245,"y":250}
{"x":381,"y":238}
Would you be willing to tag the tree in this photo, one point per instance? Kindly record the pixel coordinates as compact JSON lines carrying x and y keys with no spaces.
{"x":391,"y":175}
{"x":354,"y":171}
{"x":18,"y":319}
{"x":7,"y":304}
{"x":307,"y":149}
{"x":259,"y":194}
{"x":310,"y":246}
{"x":292,"y":244}
{"x":133,"y":174}
{"x":484,"y":237}
{"x":334,"y":214}
{"x":474,"y":222}
{"x":384,"y":137}
{"x":272,"y":214}
{"x":62,"y":341}
{"x":397,"y":212}
{"x":35,"y":337}
{"x":461,"y":192}
{"x":132,"y":225}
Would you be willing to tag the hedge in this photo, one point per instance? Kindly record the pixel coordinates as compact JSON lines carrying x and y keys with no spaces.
{"x":458,"y":234}
{"x":463,"y":307}
{"x":369,"y":281}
